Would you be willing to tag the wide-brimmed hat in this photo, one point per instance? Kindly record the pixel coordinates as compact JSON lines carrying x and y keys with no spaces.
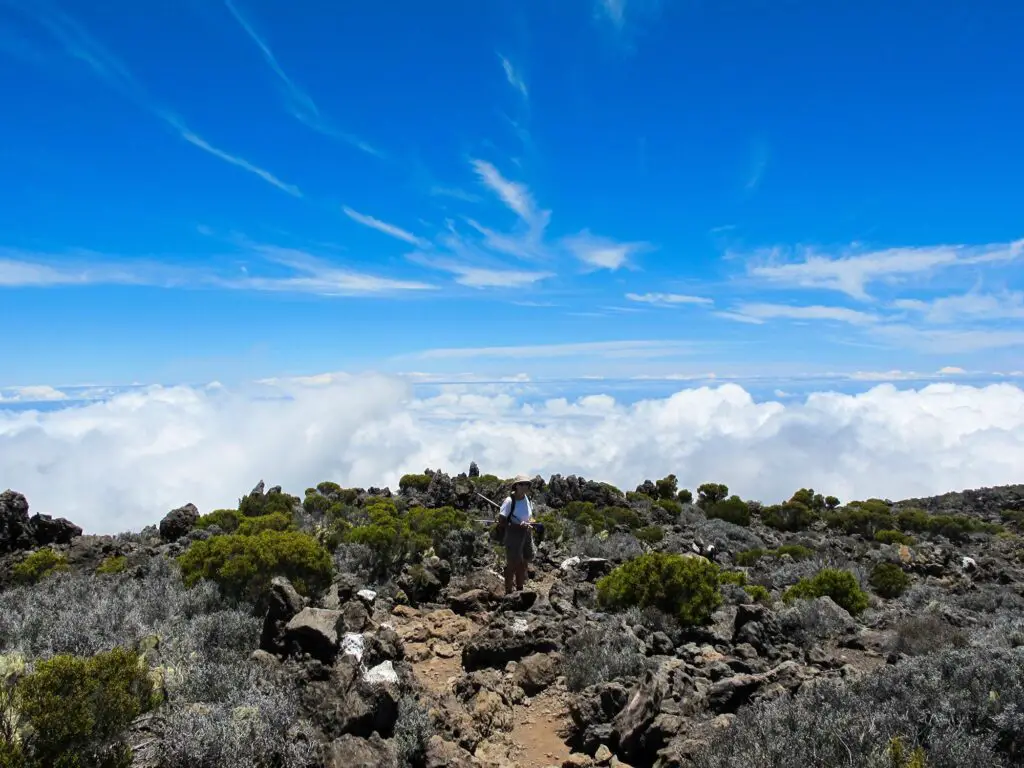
{"x":522,"y":480}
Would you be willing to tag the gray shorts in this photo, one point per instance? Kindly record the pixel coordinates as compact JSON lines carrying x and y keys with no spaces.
{"x":518,"y":544}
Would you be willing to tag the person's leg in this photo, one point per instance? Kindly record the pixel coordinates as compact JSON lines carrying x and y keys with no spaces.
{"x":513,"y":558}
{"x":524,"y":562}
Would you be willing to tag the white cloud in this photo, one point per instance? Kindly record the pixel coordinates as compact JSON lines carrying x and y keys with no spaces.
{"x":667,"y":299}
{"x":478,"y":276}
{"x":513,"y":194}
{"x":123,"y":463}
{"x":602,"y":252}
{"x":301,"y":104}
{"x":851,"y":272}
{"x":79,"y":44}
{"x":383,"y":226}
{"x":951,"y":370}
{"x":634,"y":349}
{"x":515,"y":79}
{"x":967,"y":307}
{"x":31,"y":394}
{"x":764,"y":311}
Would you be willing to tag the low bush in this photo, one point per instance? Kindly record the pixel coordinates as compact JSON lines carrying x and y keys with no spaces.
{"x":112,"y":564}
{"x":601,"y":654}
{"x":414,"y":482}
{"x":225,"y":519}
{"x":685,"y":587}
{"x":74,"y":709}
{"x":435,"y":524}
{"x":651,"y":534}
{"x":840,"y":585}
{"x":927,"y":633}
{"x":789,"y":516}
{"x":963,"y":707}
{"x":38,"y":565}
{"x":889,"y":536}
{"x":739,"y":578}
{"x":795,"y":551}
{"x":888,"y":580}
{"x":749,"y":557}
{"x":758,"y":594}
{"x":260,"y":504}
{"x":242,"y":566}
{"x":275,"y":521}
{"x":734,"y":510}
{"x":685,"y":496}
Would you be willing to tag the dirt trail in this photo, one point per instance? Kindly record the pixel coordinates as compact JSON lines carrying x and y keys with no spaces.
{"x":539,"y":725}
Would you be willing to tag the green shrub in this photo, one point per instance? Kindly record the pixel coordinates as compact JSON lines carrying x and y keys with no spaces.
{"x":685,"y":587}
{"x":685,"y":496}
{"x":387,"y":533}
{"x":789,"y":516}
{"x":749,"y":557}
{"x":275,"y":521}
{"x":862,"y":518}
{"x":554,"y":526}
{"x":673,"y":507}
{"x":650,"y":534}
{"x":953,"y":527}
{"x":38,"y":565}
{"x":260,"y":504}
{"x":888,"y":580}
{"x":893,"y":537}
{"x":739,"y":578}
{"x":414,"y":482}
{"x":796,"y":551}
{"x":113,"y":564}
{"x":244,"y":565}
{"x":76,"y":709}
{"x":225,"y":519}
{"x":734,"y":510}
{"x":710,"y":494}
{"x":1015,"y":516}
{"x":435,"y":524}
{"x":837,"y":584}
{"x":758,"y":593}
{"x":667,"y":487}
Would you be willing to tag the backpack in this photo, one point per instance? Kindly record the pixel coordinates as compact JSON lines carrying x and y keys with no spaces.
{"x":498,"y":529}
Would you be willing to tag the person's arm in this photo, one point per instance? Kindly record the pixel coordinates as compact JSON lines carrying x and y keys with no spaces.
{"x":503,"y":512}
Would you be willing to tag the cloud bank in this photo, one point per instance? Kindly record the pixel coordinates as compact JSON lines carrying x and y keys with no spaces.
{"x":122,"y":463}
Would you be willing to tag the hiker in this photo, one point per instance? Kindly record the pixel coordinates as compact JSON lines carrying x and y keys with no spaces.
{"x":515,"y":521}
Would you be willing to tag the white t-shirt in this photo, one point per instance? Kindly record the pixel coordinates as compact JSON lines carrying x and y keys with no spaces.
{"x":524,"y":509}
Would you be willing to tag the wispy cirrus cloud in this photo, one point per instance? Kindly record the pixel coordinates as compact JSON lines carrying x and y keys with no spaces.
{"x":759,"y":312}
{"x":601,"y":252}
{"x":668,"y":299}
{"x":310,"y":274}
{"x":515,"y":79}
{"x":382,"y":226}
{"x":967,"y":307}
{"x":515,"y":195}
{"x":476,"y":275}
{"x":624,"y":349}
{"x":851,"y":271}
{"x":79,"y":44}
{"x":300,"y":104}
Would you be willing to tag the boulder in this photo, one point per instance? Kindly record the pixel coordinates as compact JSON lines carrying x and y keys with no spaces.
{"x":48,"y":531}
{"x":315,"y":632}
{"x":536,"y":672}
{"x":284,"y":603}
{"x":444,"y":754}
{"x":508,"y":639}
{"x":178,"y":522}
{"x":15,"y":530}
{"x":350,"y":751}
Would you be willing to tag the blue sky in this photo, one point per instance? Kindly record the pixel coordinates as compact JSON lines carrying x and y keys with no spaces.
{"x":236,"y":189}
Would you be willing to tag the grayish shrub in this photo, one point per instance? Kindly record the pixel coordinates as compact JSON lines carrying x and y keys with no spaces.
{"x":617,"y":547}
{"x":600,"y":654}
{"x":413,"y":730}
{"x":926,"y":633}
{"x":965,"y":707}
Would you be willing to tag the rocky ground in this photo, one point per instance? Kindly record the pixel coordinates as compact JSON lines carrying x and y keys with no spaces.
{"x":434,"y":666}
